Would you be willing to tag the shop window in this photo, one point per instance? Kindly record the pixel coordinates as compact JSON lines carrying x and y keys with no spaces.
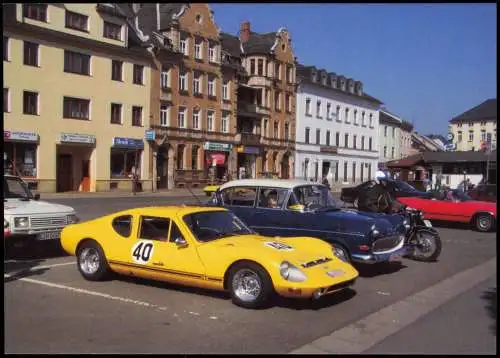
{"x":125,"y":161}
{"x":30,"y":103}
{"x":194,"y":157}
{"x":180,"y":156}
{"x":21,"y":158}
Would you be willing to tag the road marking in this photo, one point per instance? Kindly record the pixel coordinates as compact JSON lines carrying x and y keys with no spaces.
{"x":358,"y":337}
{"x":37,"y":268}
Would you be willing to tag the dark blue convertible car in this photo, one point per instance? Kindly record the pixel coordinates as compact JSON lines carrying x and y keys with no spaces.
{"x":299,"y":208}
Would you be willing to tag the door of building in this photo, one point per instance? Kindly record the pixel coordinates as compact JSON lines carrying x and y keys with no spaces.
{"x":85,"y":183}
{"x":64,"y":178}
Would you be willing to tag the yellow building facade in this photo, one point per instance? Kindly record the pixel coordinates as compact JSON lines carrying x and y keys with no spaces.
{"x":76,"y":99}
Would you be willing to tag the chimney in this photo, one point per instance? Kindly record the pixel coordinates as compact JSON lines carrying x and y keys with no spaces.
{"x":244,"y":31}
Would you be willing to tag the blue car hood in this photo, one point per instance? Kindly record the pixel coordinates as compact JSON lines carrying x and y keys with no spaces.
{"x":353,"y":220}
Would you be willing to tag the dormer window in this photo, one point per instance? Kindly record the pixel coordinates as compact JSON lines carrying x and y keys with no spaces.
{"x":314,"y":77}
{"x":323,"y":80}
{"x":342,"y":84}
{"x":333,"y":82}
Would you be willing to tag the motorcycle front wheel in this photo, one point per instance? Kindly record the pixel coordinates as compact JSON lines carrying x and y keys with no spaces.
{"x":426,"y":246}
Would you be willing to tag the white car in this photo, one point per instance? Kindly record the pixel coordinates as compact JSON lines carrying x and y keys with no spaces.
{"x":26,"y":218}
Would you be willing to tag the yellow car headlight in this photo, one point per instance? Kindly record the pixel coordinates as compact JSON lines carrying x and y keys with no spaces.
{"x":291,"y":273}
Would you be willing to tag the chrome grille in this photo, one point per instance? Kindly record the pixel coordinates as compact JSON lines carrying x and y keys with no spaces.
{"x":316,"y":262}
{"x":387,"y":243}
{"x":48,"y":221}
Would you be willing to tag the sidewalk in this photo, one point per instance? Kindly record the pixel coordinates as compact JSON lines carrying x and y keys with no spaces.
{"x":178,"y":192}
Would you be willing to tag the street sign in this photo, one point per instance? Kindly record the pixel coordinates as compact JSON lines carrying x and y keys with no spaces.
{"x":150,"y":134}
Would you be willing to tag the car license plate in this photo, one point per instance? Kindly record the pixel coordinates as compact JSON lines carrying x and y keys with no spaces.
{"x":395,"y":257}
{"x":52,"y":235}
{"x":427,"y":223}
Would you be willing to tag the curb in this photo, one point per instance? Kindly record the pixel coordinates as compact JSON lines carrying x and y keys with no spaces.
{"x":102,"y":195}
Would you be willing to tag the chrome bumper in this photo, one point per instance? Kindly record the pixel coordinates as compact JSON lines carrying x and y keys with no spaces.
{"x":394,"y":254}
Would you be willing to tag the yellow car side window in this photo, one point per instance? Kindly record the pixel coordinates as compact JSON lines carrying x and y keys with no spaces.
{"x":154,"y":228}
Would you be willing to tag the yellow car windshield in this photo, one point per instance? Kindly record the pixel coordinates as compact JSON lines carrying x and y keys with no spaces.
{"x":213,"y":225}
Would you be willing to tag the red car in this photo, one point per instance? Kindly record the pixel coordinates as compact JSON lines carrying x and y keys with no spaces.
{"x":480,"y":214}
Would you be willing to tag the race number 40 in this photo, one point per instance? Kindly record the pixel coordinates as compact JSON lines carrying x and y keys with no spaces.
{"x":142,"y":252}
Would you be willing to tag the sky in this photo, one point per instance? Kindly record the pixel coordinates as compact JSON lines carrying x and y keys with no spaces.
{"x":427,"y":62}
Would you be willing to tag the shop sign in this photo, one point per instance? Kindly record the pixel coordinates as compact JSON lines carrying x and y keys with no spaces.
{"x":248,"y":150}
{"x":214,"y":159}
{"x":77,"y":138}
{"x":24,"y":136}
{"x":128,"y":142}
{"x":217,"y":147}
{"x":327,"y":149}
{"x":150,"y":134}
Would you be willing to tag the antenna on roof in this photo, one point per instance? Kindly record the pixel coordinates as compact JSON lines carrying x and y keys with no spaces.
{"x":192,"y":194}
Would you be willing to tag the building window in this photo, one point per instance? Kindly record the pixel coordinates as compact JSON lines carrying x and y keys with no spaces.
{"x":471,"y":136}
{"x":371,"y":120}
{"x":318,"y":109}
{"x":6,"y":107}
{"x":471,"y":124}
{"x":264,"y":130}
{"x":345,"y":171}
{"x":393,"y":132}
{"x":260,"y":67}
{"x":362,"y":142}
{"x":337,"y":139}
{"x":125,"y":162}
{"x":277,"y":70}
{"x":346,"y":115}
{"x":197,"y":50}
{"x":6,"y":53}
{"x":112,"y":31}
{"x":76,"y":21}
{"x":318,"y":136}
{"x":184,"y":46}
{"x":183,"y":81}
{"x":194,"y":157}
{"x":211,"y":87}
{"x":370,"y":143}
{"x":35,"y":11}
{"x":211,"y":54}
{"x":385,"y":151}
{"x":225,"y":123}
{"x":306,"y":168}
{"x":196,"y":84}
{"x":31,"y":53}
{"x":164,"y":115}
{"x":336,"y":171}
{"x":459,"y":137}
{"x":116,"y":70}
{"x":483,"y":134}
{"x":30,"y":102}
{"x":353,"y":172}
{"x":21,"y":158}
{"x":276,"y":130}
{"x":116,"y":113}
{"x":76,"y":108}
{"x":308,"y":106}
{"x":165,"y":78}
{"x":196,"y":119}
{"x":328,"y":107}
{"x":78,"y":63}
{"x":225,"y":90}
{"x":363,"y":123}
{"x":180,"y":156}
{"x":288,"y":103}
{"x":362,"y":167}
{"x":337,"y":114}
{"x":286,"y":131}
{"x":392,"y":152}
{"x":210,"y":120}
{"x":308,"y":130}
{"x":354,"y":137}
{"x":356,"y":117}
{"x":277,"y":98}
{"x":138,"y":74}
{"x":182,"y":117}
{"x":252,"y":67}
{"x":289,"y":74}
{"x":385,"y":131}
{"x":328,"y":138}
{"x":136,"y":116}
{"x":346,"y":140}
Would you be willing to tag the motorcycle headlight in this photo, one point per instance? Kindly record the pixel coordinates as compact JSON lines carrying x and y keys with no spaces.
{"x":375,"y":232}
{"x":72,"y":219}
{"x":406,"y":223}
{"x":291,"y":273}
{"x":22,"y":222}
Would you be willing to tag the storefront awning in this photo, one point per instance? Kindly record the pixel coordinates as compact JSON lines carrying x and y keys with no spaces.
{"x":405,"y":162}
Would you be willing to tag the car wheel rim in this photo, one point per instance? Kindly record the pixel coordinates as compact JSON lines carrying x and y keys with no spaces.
{"x":247,"y":285}
{"x":341,"y":254}
{"x":484,"y":223}
{"x":89,"y":261}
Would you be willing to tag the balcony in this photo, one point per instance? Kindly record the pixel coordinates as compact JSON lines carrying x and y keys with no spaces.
{"x":275,"y":142}
{"x":226,"y":106}
{"x":251,"y":109}
{"x":166,"y":94}
{"x":248,"y":139}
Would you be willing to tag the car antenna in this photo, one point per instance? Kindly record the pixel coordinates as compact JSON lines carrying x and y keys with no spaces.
{"x":188,"y":187}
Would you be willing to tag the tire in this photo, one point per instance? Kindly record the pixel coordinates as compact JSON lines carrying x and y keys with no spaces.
{"x":483,"y":222}
{"x":421,"y":254}
{"x":342,"y":253}
{"x":100,"y":270}
{"x":256,"y":275}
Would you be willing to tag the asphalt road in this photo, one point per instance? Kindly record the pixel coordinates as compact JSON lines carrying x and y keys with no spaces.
{"x":50,"y":308}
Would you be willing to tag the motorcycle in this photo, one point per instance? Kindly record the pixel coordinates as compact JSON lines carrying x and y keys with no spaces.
{"x":421,"y":238}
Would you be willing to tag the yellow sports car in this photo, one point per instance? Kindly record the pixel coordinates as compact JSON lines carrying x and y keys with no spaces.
{"x":209,"y":248}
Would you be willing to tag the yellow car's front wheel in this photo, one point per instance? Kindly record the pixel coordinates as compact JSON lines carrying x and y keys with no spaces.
{"x":91,"y":261}
{"x":250,"y":285}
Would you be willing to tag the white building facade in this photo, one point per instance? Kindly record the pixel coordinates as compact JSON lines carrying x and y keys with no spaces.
{"x":336,"y":129}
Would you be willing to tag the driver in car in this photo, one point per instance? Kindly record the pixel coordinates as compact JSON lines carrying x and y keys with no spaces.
{"x":272,"y":199}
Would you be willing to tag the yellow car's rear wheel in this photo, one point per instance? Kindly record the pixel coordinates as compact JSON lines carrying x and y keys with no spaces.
{"x":250,"y":285}
{"x":91,"y":261}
